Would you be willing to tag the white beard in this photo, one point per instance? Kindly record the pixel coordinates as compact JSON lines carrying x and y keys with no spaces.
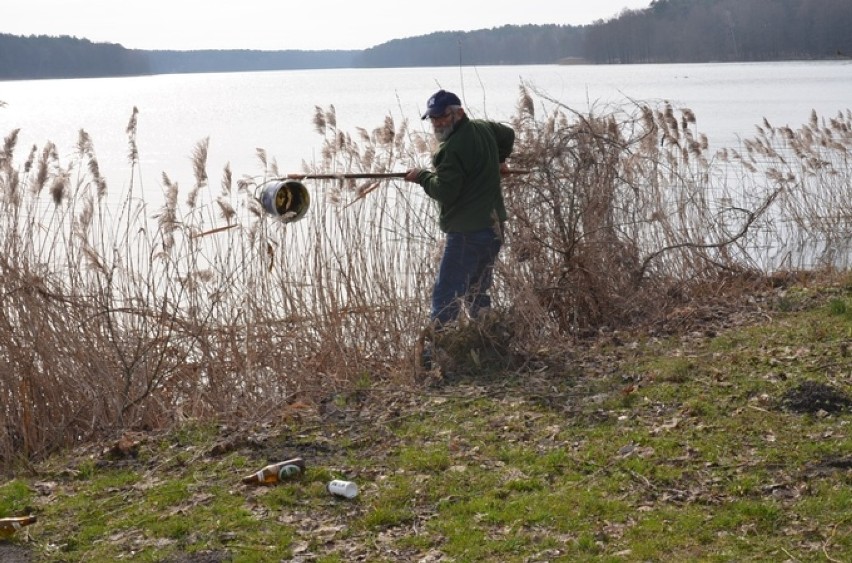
{"x":443,"y":133}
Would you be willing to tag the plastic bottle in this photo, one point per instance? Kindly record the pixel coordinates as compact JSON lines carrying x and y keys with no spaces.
{"x":340,"y":488}
{"x":277,"y":472}
{"x":8,"y":526}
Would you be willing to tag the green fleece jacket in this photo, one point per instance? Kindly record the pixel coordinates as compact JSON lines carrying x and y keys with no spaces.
{"x":466,"y":177}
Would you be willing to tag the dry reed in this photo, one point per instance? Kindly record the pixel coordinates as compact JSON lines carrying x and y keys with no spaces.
{"x":138,"y":320}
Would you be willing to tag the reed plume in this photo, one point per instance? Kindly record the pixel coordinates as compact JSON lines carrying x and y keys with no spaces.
{"x":130,"y":130}
{"x":167,"y":216}
{"x":199,"y":169}
{"x":9,"y":144}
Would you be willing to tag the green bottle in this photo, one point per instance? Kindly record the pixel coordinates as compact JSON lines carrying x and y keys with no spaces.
{"x":277,"y":472}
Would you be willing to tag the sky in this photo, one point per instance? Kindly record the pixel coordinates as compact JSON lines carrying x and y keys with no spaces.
{"x":283,"y":25}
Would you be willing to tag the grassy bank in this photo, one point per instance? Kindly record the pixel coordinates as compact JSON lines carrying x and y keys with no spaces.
{"x":659,"y":380}
{"x":726,"y":441}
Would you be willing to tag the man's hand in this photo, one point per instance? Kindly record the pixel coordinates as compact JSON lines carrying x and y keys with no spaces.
{"x":412,"y":174}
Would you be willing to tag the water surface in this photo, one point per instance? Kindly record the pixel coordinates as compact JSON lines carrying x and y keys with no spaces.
{"x":241,"y":112}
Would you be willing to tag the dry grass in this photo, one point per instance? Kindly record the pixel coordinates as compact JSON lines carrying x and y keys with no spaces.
{"x":122,"y":317}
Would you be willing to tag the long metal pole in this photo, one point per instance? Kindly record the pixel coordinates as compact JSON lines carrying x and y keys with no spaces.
{"x":346,"y":176}
{"x":329,"y":176}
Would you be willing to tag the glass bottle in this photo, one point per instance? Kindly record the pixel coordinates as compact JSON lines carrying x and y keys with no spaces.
{"x":10,"y":525}
{"x":276,"y":472}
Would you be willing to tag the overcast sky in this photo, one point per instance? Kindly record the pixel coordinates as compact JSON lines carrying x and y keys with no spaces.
{"x":282,"y":25}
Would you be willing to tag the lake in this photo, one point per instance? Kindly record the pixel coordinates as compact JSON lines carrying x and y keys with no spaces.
{"x":241,"y":112}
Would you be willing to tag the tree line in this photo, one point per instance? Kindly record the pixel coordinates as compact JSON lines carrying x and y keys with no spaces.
{"x":510,"y":44}
{"x":66,"y":57}
{"x":679,"y":31}
{"x":666,"y":31}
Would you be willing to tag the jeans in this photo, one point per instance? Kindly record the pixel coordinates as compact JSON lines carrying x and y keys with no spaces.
{"x":465,"y":274}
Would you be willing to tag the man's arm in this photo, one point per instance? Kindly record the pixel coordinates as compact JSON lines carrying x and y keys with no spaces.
{"x":505,"y":137}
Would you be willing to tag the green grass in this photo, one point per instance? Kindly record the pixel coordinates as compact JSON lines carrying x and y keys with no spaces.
{"x":693,"y":461}
{"x":15,"y":496}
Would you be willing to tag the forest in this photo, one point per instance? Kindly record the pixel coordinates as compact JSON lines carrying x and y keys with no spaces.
{"x":667,"y":31}
{"x":681,"y":31}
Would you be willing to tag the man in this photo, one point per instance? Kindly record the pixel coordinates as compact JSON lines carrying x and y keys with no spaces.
{"x":466,"y":184}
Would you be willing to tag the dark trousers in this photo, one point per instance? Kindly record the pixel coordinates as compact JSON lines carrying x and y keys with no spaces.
{"x":465,"y":274}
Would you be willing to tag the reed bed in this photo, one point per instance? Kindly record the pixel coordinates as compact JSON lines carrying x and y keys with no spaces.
{"x":120,"y":316}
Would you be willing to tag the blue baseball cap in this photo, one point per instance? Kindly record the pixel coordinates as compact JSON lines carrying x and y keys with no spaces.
{"x":439,"y":102}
